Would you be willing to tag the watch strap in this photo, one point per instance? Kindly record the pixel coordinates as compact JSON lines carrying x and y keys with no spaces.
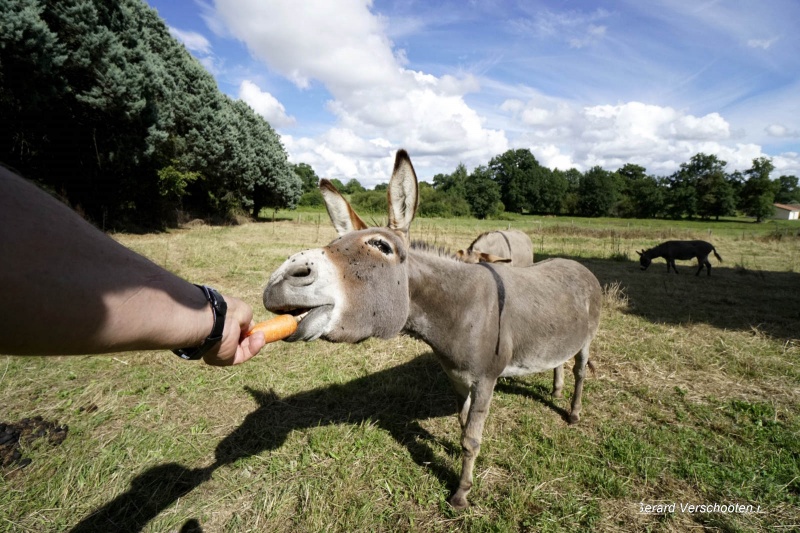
{"x":218,"y":308}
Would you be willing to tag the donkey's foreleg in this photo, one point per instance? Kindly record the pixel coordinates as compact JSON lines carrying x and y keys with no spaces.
{"x":579,"y":371}
{"x":471,"y":436}
{"x":558,"y":381}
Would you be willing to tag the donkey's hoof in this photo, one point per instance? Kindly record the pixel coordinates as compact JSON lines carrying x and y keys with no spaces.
{"x":573,"y":418}
{"x":458,"y":502}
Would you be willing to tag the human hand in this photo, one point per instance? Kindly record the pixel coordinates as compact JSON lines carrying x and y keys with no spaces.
{"x":236,"y":347}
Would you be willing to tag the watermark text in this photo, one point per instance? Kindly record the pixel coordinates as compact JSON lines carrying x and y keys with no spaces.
{"x":698,"y":508}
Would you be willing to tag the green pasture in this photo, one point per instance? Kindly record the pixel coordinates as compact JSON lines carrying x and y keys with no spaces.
{"x":694,"y":403}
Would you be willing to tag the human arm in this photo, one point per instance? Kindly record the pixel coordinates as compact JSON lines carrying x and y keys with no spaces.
{"x":71,"y":289}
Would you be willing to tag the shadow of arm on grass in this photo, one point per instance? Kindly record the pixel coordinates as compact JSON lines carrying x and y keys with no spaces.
{"x":149,"y":494}
{"x":394,"y":400}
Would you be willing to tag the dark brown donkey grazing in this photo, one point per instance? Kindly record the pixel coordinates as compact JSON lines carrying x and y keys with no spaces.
{"x":683,"y":250}
{"x":482,"y":321}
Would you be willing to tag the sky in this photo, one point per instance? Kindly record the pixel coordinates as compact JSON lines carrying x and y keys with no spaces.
{"x":348,"y":82}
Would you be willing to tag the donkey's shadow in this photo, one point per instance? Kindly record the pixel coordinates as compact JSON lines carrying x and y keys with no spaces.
{"x":395,"y":400}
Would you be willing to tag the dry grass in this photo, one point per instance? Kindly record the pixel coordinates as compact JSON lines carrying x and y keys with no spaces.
{"x":695,"y":401}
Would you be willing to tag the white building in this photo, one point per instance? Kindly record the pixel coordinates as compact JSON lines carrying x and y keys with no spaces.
{"x":787,"y":212}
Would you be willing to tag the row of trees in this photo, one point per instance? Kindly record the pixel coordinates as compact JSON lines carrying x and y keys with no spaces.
{"x":515,"y":181}
{"x":700,"y":188}
{"x":102,"y":106}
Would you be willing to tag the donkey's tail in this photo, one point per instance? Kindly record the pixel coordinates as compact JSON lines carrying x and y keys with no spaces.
{"x":592,"y":367}
{"x":716,"y":255}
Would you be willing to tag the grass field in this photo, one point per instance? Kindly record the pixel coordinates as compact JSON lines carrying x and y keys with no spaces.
{"x":695,"y":402}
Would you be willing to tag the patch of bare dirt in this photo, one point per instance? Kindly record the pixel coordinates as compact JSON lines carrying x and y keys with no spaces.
{"x":24,"y":432}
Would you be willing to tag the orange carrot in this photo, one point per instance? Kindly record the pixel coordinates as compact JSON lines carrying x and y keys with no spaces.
{"x":276,"y":328}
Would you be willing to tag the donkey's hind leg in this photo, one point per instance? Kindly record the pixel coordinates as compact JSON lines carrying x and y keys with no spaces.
{"x":558,"y":381}
{"x":708,"y":265}
{"x":579,"y":371}
{"x":701,"y":262}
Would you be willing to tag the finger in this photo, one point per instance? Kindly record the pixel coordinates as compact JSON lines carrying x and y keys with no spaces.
{"x":249,"y":347}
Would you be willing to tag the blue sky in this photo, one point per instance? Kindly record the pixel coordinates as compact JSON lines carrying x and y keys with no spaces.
{"x":347,"y":82}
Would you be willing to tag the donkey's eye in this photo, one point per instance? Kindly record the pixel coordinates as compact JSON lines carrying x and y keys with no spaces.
{"x":381,"y":245}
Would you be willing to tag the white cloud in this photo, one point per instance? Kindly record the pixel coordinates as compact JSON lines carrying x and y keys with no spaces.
{"x":265,"y":105}
{"x":577,"y":28}
{"x":764,"y":44}
{"x":344,"y":46}
{"x":193,"y":41}
{"x":781,"y":131}
{"x":659,"y":138}
{"x":787,"y":163}
{"x":592,"y":35}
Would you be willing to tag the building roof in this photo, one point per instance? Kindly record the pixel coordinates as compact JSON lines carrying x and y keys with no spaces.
{"x":788,"y":207}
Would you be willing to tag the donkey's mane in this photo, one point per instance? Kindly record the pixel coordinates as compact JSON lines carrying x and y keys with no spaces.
{"x":432,"y":249}
{"x":480,"y":237}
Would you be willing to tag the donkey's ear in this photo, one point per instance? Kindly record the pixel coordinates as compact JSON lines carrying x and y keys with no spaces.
{"x":342,"y":215}
{"x":403,"y":194}
{"x":638,"y":252}
{"x":489,"y":258}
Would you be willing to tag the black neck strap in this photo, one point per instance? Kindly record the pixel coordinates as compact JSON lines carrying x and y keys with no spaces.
{"x":501,"y":300}
{"x":510,"y":252}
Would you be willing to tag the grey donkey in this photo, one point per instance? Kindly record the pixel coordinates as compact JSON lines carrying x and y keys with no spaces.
{"x":482,"y":322}
{"x":513,"y":247}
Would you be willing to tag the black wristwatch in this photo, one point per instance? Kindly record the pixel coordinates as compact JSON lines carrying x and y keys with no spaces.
{"x":218,"y":308}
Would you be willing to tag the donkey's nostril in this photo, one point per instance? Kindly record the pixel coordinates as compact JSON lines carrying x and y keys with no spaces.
{"x":301,"y":274}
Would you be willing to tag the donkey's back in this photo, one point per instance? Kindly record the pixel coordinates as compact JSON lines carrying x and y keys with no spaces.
{"x":512,"y":245}
{"x":684,"y":250}
{"x":551,"y":314}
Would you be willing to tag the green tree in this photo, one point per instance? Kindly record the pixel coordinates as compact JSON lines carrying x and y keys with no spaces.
{"x":758,"y":192}
{"x":715,"y":194}
{"x":369,"y":201}
{"x":788,"y":190}
{"x":434,"y":203}
{"x":514,"y":171}
{"x":647,"y":197}
{"x":598,"y":192}
{"x":546,"y":190}
{"x":307,"y":176}
{"x":569,"y":204}
{"x":641,"y":195}
{"x":452,"y":184}
{"x":312,"y":199}
{"x":102,"y":104}
{"x":353,"y":186}
{"x":483,"y":193}
{"x":681,"y":196}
